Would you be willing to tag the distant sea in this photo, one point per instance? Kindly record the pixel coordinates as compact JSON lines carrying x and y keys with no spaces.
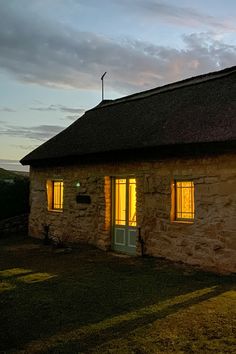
{"x":13,"y":165}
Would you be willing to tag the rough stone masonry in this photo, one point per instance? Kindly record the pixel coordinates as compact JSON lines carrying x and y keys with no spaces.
{"x":208,"y":242}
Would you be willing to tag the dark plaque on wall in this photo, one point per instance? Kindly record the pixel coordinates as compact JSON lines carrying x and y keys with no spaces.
{"x":83,"y":199}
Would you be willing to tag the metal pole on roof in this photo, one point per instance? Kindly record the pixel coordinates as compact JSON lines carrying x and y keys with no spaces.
{"x":103,"y":85}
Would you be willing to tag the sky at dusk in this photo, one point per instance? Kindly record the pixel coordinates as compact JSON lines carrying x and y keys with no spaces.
{"x":53,"y":53}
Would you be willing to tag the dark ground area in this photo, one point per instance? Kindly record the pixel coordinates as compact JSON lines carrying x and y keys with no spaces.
{"x":89,"y":301}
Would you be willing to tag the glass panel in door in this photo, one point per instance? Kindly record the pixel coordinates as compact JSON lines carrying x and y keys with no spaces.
{"x":132,"y":201}
{"x":120,"y":198}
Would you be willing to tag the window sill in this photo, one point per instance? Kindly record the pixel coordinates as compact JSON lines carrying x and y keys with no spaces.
{"x":188,"y":222}
{"x":55,"y":211}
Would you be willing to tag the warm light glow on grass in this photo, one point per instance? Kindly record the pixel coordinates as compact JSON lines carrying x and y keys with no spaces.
{"x":13,"y":272}
{"x":6,"y":286}
{"x":73,"y":303}
{"x":36,"y":277}
{"x":23,"y":275}
{"x":95,"y":329}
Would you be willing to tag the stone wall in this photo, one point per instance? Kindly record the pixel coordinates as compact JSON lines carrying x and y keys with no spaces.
{"x":15,"y":224}
{"x":86,"y":223}
{"x":209,"y":242}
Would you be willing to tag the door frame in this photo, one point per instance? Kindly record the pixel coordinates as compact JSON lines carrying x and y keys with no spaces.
{"x":113,"y":212}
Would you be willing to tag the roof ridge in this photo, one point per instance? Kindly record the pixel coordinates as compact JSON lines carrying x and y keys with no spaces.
{"x":169,"y":87}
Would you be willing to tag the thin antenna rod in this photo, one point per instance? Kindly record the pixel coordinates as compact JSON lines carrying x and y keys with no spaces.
{"x":103,"y":85}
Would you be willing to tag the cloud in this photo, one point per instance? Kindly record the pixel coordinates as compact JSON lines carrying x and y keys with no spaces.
{"x":27,"y":147}
{"x":42,"y":50}
{"x":173,"y":14}
{"x":72,"y":117}
{"x":13,"y":165}
{"x":72,"y":110}
{"x":13,"y":162}
{"x":7,"y":109}
{"x":44,"y":109}
{"x":40,"y":132}
{"x":60,"y":108}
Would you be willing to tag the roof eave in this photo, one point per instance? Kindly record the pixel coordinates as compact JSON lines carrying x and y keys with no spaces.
{"x":185,"y":150}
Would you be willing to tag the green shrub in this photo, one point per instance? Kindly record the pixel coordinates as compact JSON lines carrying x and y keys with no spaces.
{"x":14,"y":197}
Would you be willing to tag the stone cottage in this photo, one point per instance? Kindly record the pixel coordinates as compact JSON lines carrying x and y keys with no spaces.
{"x":152,"y":173}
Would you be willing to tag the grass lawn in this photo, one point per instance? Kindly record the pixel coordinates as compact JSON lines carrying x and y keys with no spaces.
{"x":89,"y":301}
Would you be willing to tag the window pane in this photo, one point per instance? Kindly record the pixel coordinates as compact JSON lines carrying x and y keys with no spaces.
{"x":185,"y":200}
{"x":120,"y":197}
{"x":132,"y":202}
{"x":57,"y":202}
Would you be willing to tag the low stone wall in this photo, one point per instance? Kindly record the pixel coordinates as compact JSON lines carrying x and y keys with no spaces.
{"x":15,"y":224}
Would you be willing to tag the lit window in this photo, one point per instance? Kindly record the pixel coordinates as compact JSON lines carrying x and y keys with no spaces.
{"x":55,"y":195}
{"x":184,"y":200}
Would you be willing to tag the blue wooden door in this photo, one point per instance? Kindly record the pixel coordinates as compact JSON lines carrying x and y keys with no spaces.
{"x":124,"y":215}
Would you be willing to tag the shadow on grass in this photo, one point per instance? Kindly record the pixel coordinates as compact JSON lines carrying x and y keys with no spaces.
{"x":87,"y":338}
{"x":86,"y":298}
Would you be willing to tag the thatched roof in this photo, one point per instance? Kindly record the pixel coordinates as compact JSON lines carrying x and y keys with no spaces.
{"x":197,"y":110}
